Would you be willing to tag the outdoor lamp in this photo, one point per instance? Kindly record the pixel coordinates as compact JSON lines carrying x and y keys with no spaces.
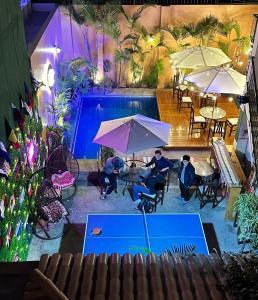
{"x":57,"y":49}
{"x":151,"y":38}
{"x":50,"y":76}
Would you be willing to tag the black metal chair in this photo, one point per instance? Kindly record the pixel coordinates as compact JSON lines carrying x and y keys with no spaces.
{"x":156,"y":198}
{"x":219,"y":128}
{"x":232,"y":124}
{"x":47,"y":211}
{"x":208,"y":193}
{"x":62,"y":169}
{"x":207,"y":101}
{"x":196,"y":122}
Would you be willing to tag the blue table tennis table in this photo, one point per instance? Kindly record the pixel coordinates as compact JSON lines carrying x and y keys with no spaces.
{"x":134,"y":233}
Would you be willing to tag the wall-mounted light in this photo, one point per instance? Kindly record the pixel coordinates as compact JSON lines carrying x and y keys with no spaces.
{"x":230,"y":99}
{"x":151,"y":38}
{"x":50,"y":76}
{"x":57,"y":49}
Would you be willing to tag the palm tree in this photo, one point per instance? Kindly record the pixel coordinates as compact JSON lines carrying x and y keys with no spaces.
{"x":178,"y":33}
{"x":132,"y":20}
{"x":104,"y":19}
{"x":204,"y":31}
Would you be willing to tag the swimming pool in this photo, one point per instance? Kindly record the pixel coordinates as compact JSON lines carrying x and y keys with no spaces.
{"x":96,"y":109}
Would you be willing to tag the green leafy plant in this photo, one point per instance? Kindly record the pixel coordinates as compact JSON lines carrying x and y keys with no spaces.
{"x":183,"y":250}
{"x":247,"y":210}
{"x":241,"y":277}
{"x":152,"y":79}
{"x":60,"y":107}
{"x":105,"y":153}
{"x":75,"y":75}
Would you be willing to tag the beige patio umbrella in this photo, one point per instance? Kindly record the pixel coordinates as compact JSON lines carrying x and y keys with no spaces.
{"x":199,"y":56}
{"x":223,"y":80}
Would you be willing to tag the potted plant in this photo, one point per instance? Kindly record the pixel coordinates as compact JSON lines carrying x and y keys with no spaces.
{"x":247,"y":212}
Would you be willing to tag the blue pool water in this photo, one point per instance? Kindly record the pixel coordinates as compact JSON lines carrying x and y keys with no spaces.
{"x":96,"y":109}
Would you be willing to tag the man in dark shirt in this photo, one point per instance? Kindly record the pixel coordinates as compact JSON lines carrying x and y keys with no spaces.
{"x":186,"y":177}
{"x":151,"y":185}
{"x":162,"y":164}
{"x":111,"y":170}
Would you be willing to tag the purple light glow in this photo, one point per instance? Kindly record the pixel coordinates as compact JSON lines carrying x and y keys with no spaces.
{"x":31,"y":152}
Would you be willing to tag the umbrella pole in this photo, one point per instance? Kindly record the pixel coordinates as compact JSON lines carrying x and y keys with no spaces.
{"x":133,"y":165}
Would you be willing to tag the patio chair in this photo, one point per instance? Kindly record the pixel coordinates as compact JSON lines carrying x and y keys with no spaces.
{"x":232,"y":124}
{"x":175,"y":84}
{"x":184,"y":102}
{"x":51,"y":213}
{"x":207,"y":100}
{"x":196,"y":122}
{"x":208,"y":193}
{"x":156,"y":198}
{"x":219,"y":128}
{"x":62,"y":169}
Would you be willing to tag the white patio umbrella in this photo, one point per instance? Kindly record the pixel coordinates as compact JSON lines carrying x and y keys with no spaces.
{"x":199,"y":56}
{"x":220,"y":79}
{"x":132,"y":134}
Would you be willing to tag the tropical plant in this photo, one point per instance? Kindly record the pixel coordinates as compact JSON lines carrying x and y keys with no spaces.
{"x":60,"y":107}
{"x":247,"y":210}
{"x":182,"y":250}
{"x":132,"y":20}
{"x":107,"y":65}
{"x":104,"y":19}
{"x":136,"y":71}
{"x":105,"y":153}
{"x":152,"y":79}
{"x":178,"y":33}
{"x":241,"y":277}
{"x":204,"y":31}
{"x":76,"y":75}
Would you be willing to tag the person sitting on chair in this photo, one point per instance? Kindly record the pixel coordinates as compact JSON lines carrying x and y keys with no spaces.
{"x":161,"y":163}
{"x":111,"y":170}
{"x":152,"y":184}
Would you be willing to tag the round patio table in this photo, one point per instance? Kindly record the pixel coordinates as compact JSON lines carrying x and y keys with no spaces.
{"x":202,"y":168}
{"x":131,"y":176}
{"x":212,"y":113}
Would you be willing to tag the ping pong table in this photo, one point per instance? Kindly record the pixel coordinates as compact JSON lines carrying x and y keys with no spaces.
{"x":143,"y":233}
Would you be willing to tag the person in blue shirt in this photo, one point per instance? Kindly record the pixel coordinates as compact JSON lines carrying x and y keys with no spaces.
{"x":186,"y":177}
{"x":111,"y":170}
{"x":162,"y":164}
{"x":150,"y":186}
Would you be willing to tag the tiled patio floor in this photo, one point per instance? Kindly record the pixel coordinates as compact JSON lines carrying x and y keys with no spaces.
{"x":87,"y":201}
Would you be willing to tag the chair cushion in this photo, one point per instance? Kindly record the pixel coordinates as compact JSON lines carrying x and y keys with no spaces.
{"x":63,"y":180}
{"x":199,"y":119}
{"x":54,"y":211}
{"x":233,"y":121}
{"x":186,"y":99}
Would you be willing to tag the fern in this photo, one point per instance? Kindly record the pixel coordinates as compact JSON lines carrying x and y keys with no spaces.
{"x":183,"y":250}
